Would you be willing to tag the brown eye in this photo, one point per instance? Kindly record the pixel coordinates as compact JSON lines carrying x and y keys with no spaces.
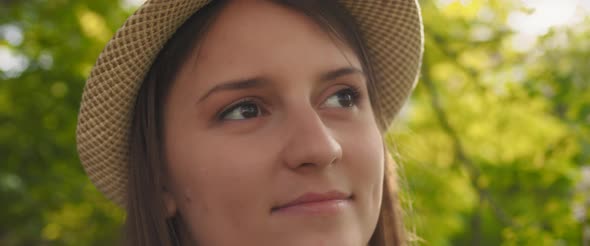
{"x":344,"y":98}
{"x":241,"y":111}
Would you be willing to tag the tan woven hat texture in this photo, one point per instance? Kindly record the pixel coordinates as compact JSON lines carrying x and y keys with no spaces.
{"x":392,"y":30}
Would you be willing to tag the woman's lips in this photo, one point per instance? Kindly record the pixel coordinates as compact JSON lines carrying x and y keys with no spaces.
{"x":315,"y":203}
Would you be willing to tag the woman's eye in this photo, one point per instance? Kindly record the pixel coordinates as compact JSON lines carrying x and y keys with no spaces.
{"x":241,"y":111}
{"x":344,"y":98}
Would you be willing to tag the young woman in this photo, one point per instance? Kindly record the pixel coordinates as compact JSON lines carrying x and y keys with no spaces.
{"x":252,"y":122}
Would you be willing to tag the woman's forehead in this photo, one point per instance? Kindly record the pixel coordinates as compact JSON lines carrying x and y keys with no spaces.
{"x":258,"y":38}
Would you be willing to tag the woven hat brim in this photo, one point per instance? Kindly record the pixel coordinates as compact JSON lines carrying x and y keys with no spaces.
{"x":392,"y":30}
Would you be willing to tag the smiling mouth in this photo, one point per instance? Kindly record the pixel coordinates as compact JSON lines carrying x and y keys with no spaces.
{"x":316,"y":204}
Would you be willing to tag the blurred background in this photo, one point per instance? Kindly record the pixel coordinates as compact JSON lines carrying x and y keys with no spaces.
{"x":493,"y":147}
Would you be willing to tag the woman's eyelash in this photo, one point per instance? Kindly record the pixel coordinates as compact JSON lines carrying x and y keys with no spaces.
{"x":353,"y":91}
{"x":240,"y":103}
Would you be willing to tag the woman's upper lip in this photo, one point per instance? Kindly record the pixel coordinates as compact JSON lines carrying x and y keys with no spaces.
{"x":311,"y":197}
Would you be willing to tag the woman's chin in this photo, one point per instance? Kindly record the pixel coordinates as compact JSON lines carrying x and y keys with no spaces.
{"x":328,"y":236}
{"x":343,"y":239}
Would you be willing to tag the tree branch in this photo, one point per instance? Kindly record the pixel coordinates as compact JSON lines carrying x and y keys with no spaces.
{"x":472,"y":170}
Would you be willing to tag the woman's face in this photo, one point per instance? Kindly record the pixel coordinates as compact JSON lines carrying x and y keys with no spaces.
{"x":269,"y":135}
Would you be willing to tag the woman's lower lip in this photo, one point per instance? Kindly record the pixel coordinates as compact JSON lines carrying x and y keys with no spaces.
{"x":315,"y":208}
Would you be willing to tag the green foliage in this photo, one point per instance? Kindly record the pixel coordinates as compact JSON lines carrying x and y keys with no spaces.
{"x":46,"y":198}
{"x":491,"y":146}
{"x":494,"y":139}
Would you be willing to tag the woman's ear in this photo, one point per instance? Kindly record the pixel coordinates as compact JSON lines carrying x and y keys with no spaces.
{"x":169,"y":201}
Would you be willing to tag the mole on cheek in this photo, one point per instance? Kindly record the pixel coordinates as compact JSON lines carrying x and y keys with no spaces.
{"x":187,"y":196}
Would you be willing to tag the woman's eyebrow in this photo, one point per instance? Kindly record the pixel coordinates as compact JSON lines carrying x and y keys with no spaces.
{"x":236,"y":85}
{"x":258,"y":82}
{"x":331,"y":75}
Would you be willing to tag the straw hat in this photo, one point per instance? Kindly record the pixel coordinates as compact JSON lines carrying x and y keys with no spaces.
{"x":392,"y":30}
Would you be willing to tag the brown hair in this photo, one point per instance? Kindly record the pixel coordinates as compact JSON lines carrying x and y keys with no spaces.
{"x":147,"y":222}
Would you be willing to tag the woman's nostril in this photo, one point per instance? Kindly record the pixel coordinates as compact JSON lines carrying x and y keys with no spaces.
{"x":307,"y":164}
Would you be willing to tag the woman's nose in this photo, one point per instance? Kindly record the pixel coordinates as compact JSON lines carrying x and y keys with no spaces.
{"x":309,"y":142}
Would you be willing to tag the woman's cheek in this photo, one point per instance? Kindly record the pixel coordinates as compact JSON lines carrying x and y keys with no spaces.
{"x":367,"y":160}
